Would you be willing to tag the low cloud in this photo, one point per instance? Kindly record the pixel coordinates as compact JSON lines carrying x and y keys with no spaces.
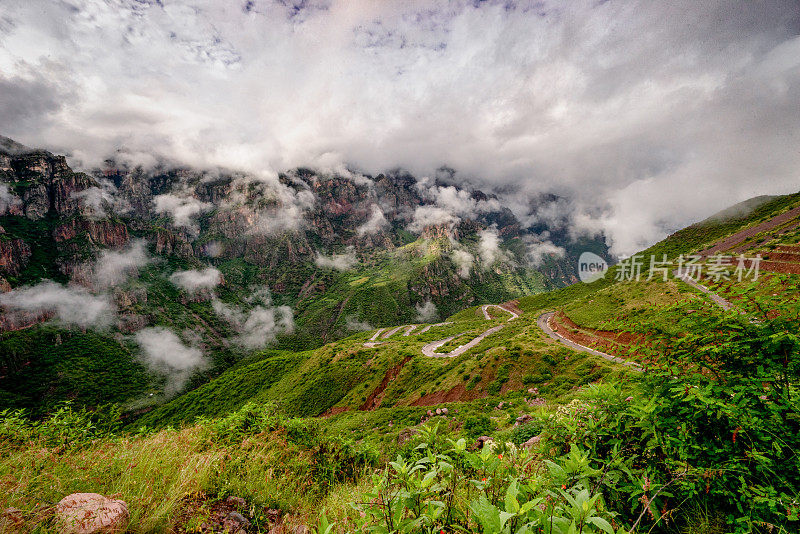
{"x":463,"y":261}
{"x":340,"y":262}
{"x":72,"y":306}
{"x":538,"y":250}
{"x":449,"y":206}
{"x":8,"y":199}
{"x":425,"y":216}
{"x":100,"y":202}
{"x":286,"y":208}
{"x":426,"y":312}
{"x":165,"y":353}
{"x":182,"y":209}
{"x":193,"y":280}
{"x":376,"y":222}
{"x":354,"y":325}
{"x":489,"y":247}
{"x":258,"y":326}
{"x":112,"y":267}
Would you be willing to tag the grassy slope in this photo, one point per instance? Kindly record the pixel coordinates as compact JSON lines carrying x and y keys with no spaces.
{"x":342,"y":373}
{"x":43,"y":366}
{"x":650,"y":305}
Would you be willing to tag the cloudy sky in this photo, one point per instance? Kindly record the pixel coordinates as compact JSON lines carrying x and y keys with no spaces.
{"x":644,"y":116}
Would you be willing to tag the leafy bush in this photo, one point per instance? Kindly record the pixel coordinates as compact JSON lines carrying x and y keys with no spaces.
{"x":478,"y":425}
{"x":523,"y":433}
{"x":444,"y":488}
{"x":718,"y":422}
{"x":65,"y":427}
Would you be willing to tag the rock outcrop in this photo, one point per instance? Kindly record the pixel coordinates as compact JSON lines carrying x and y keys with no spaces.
{"x":91,"y":513}
{"x":14,"y":255}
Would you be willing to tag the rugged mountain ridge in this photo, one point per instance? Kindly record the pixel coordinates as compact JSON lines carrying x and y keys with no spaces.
{"x":340,"y":251}
{"x":273,"y":225}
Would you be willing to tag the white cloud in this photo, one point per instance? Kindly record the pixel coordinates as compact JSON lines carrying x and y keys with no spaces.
{"x":428,"y":215}
{"x":489,"y":247}
{"x":7,"y":198}
{"x":269,"y":206}
{"x":463,"y":261}
{"x":340,"y":262}
{"x":182,"y":209}
{"x":258,"y":326}
{"x":584,"y":99}
{"x":73,"y":306}
{"x":538,"y":250}
{"x":354,"y":325}
{"x":376,"y":222}
{"x":426,"y":312}
{"x":99,"y":202}
{"x":165,"y":353}
{"x":193,"y":280}
{"x":450,"y":205}
{"x":113,"y":267}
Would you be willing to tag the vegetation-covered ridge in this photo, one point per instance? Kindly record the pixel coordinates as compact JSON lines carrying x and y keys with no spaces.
{"x":517,"y":433}
{"x":230,"y":265}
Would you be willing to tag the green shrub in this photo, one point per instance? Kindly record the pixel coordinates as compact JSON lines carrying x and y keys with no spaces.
{"x":478,"y":425}
{"x":523,"y":433}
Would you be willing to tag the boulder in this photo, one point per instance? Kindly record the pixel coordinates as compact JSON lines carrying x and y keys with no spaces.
{"x":235,"y":522}
{"x":532,"y":442}
{"x":91,"y":513}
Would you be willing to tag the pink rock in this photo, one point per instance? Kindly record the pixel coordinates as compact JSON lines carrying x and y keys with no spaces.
{"x":531,"y":442}
{"x":91,"y":513}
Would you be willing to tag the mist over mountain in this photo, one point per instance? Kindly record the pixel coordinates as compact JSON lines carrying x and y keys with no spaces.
{"x":642,"y":117}
{"x":191,"y":270}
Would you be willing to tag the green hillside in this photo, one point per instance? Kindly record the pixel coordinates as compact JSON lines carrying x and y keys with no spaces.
{"x":379,"y":431}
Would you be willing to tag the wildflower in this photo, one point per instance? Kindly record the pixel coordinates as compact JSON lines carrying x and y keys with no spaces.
{"x":500,"y":456}
{"x":563,"y":486}
{"x":483,"y":479}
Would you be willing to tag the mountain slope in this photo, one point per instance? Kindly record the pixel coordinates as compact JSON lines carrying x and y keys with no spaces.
{"x":223,"y":264}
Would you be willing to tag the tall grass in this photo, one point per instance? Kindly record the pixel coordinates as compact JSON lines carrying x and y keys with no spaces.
{"x":269,"y":461}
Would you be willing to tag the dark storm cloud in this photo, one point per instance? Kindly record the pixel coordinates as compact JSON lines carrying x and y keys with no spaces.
{"x":644,"y":116}
{"x":25,"y":104}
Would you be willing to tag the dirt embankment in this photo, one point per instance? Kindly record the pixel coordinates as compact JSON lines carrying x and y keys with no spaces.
{"x":619,"y":343}
{"x":458,"y":393}
{"x":743,"y":235}
{"x":374,"y":399}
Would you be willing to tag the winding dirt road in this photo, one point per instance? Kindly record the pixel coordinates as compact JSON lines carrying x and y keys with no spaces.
{"x":430,"y":349}
{"x":485,"y":310}
{"x":543,"y":321}
{"x":719,"y":301}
